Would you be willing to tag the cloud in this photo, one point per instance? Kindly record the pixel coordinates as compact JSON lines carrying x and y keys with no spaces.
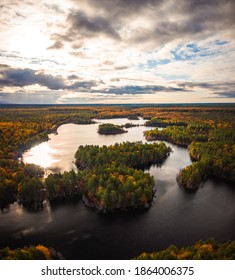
{"x":228,"y":94}
{"x":139,"y":90}
{"x":122,"y":67}
{"x":221,"y":89}
{"x":56,"y":46}
{"x":118,"y":8}
{"x":72,"y":77}
{"x":81,"y":24}
{"x":55,"y":8}
{"x":168,"y":48}
{"x":4,"y":66}
{"x":25,"y":77}
{"x":83,"y":85}
{"x":146,"y":25}
{"x":10,"y":77}
{"x":187,"y":20}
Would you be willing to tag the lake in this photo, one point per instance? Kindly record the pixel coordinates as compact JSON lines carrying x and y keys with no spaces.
{"x":176,"y":217}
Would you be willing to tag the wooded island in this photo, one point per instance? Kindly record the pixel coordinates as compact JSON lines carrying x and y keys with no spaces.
{"x":114,"y":179}
{"x":109,"y":128}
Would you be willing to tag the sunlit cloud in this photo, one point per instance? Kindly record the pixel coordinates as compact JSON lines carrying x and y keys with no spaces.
{"x":88,"y":51}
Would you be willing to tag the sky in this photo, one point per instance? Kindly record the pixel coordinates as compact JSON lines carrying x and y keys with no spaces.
{"x":117,"y":51}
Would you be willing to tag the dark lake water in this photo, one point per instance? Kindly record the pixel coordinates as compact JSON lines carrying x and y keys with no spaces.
{"x":177,"y":216}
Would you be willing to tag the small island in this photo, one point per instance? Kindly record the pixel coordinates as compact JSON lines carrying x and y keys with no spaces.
{"x":109,"y":128}
{"x":129,"y":125}
{"x":133,"y":117}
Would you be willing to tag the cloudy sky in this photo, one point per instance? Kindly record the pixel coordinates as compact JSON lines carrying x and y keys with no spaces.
{"x":117,"y":51}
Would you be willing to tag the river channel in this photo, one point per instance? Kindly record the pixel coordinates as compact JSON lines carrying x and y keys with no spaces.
{"x":177,"y":216}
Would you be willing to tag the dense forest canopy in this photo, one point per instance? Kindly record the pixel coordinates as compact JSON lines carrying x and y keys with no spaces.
{"x":180,"y":135}
{"x":211,"y":147}
{"x":109,"y":128}
{"x":38,"y":252}
{"x":208,"y":130}
{"x":202,"y":250}
{"x":113,"y":177}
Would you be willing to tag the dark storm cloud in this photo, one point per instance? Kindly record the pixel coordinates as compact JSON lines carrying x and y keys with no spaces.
{"x":24,"y":77}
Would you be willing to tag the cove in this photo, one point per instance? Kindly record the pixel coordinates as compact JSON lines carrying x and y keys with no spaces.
{"x":177,"y":216}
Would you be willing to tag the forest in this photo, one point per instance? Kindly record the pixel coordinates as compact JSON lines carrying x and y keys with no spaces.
{"x":162,"y":122}
{"x":38,"y":252}
{"x":116,"y":181}
{"x":202,"y":250}
{"x":211,"y":148}
{"x":208,"y":132}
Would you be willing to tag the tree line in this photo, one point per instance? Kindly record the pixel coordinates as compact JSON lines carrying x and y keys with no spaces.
{"x":211,"y":148}
{"x":202,"y":250}
{"x":38,"y":252}
{"x":180,"y":135}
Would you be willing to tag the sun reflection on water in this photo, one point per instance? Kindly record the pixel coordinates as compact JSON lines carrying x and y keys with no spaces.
{"x":42,"y":155}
